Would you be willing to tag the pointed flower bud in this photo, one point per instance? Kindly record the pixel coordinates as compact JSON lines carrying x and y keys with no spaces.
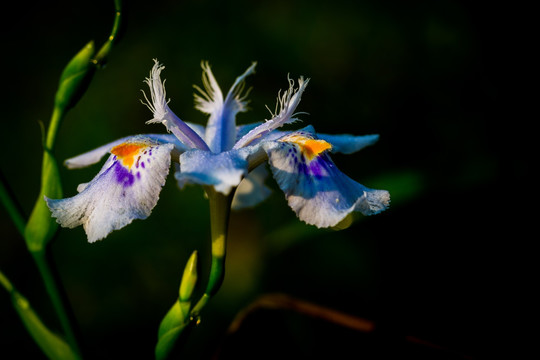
{"x":178,"y":318}
{"x":75,"y":78}
{"x":189,"y":278}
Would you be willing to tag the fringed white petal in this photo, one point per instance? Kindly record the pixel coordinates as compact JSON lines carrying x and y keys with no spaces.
{"x":286,"y":104}
{"x":211,"y":98}
{"x":126,"y":188}
{"x":158,"y":104}
{"x":221,"y":128}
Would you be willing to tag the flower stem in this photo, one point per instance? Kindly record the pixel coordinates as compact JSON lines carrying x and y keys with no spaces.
{"x":56,"y":297}
{"x":56,"y":119}
{"x":12,"y":207}
{"x":38,"y":244}
{"x":220,"y":208}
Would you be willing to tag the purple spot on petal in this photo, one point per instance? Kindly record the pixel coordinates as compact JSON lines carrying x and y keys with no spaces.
{"x":316,"y":170}
{"x":142,"y":164}
{"x":123,"y":175}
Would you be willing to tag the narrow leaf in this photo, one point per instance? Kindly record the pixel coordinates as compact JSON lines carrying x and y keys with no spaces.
{"x":51,"y":344}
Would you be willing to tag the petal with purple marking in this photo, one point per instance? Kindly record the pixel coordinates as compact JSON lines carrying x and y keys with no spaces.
{"x":315,"y":188}
{"x":126,"y":188}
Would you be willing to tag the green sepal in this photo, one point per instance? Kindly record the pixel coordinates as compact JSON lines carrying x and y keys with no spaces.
{"x":41,"y":226}
{"x":75,"y":78}
{"x":173,"y":319}
{"x":51,"y":344}
{"x":172,"y":330}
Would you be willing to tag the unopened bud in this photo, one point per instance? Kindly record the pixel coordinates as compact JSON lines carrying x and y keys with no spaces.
{"x":75,"y":78}
{"x":189,"y":278}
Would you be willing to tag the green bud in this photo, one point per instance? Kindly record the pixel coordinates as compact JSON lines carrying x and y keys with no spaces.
{"x":189,"y":278}
{"x":75,"y":78}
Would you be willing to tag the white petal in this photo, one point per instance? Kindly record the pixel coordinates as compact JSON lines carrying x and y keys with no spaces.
{"x":318,"y":192}
{"x":126,"y":188}
{"x":287,"y":104}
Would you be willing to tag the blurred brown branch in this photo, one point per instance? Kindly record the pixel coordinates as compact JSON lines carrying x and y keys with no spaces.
{"x":286,"y":302}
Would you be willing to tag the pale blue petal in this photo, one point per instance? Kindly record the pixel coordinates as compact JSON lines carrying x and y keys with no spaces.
{"x":315,"y":188}
{"x":94,"y":156}
{"x":242,"y":130}
{"x":341,"y":143}
{"x":223,"y":171}
{"x":221,"y":127}
{"x":348,"y":144}
{"x":126,"y":188}
{"x":252,"y":189}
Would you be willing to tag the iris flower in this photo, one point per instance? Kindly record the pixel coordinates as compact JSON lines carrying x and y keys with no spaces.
{"x":224,"y":157}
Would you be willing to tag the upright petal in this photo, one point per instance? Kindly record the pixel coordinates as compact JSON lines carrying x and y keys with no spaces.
{"x":223,"y":171}
{"x":287,"y":104}
{"x":159,"y":106}
{"x":221,"y":127}
{"x":126,"y":188}
{"x":315,"y":188}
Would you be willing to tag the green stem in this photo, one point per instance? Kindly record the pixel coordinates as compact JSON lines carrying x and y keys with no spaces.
{"x":56,"y":120}
{"x":100,"y":58}
{"x":220,"y":208}
{"x":13,"y":209}
{"x":5,"y":283}
{"x":56,"y":297}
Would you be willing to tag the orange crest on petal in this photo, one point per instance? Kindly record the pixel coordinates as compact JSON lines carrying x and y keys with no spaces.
{"x":127,"y":152}
{"x":310,"y":147}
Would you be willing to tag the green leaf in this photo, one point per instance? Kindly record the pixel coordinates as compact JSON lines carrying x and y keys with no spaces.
{"x":51,"y":344}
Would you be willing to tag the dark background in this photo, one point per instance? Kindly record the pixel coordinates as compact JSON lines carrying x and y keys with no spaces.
{"x":428,"y":76}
